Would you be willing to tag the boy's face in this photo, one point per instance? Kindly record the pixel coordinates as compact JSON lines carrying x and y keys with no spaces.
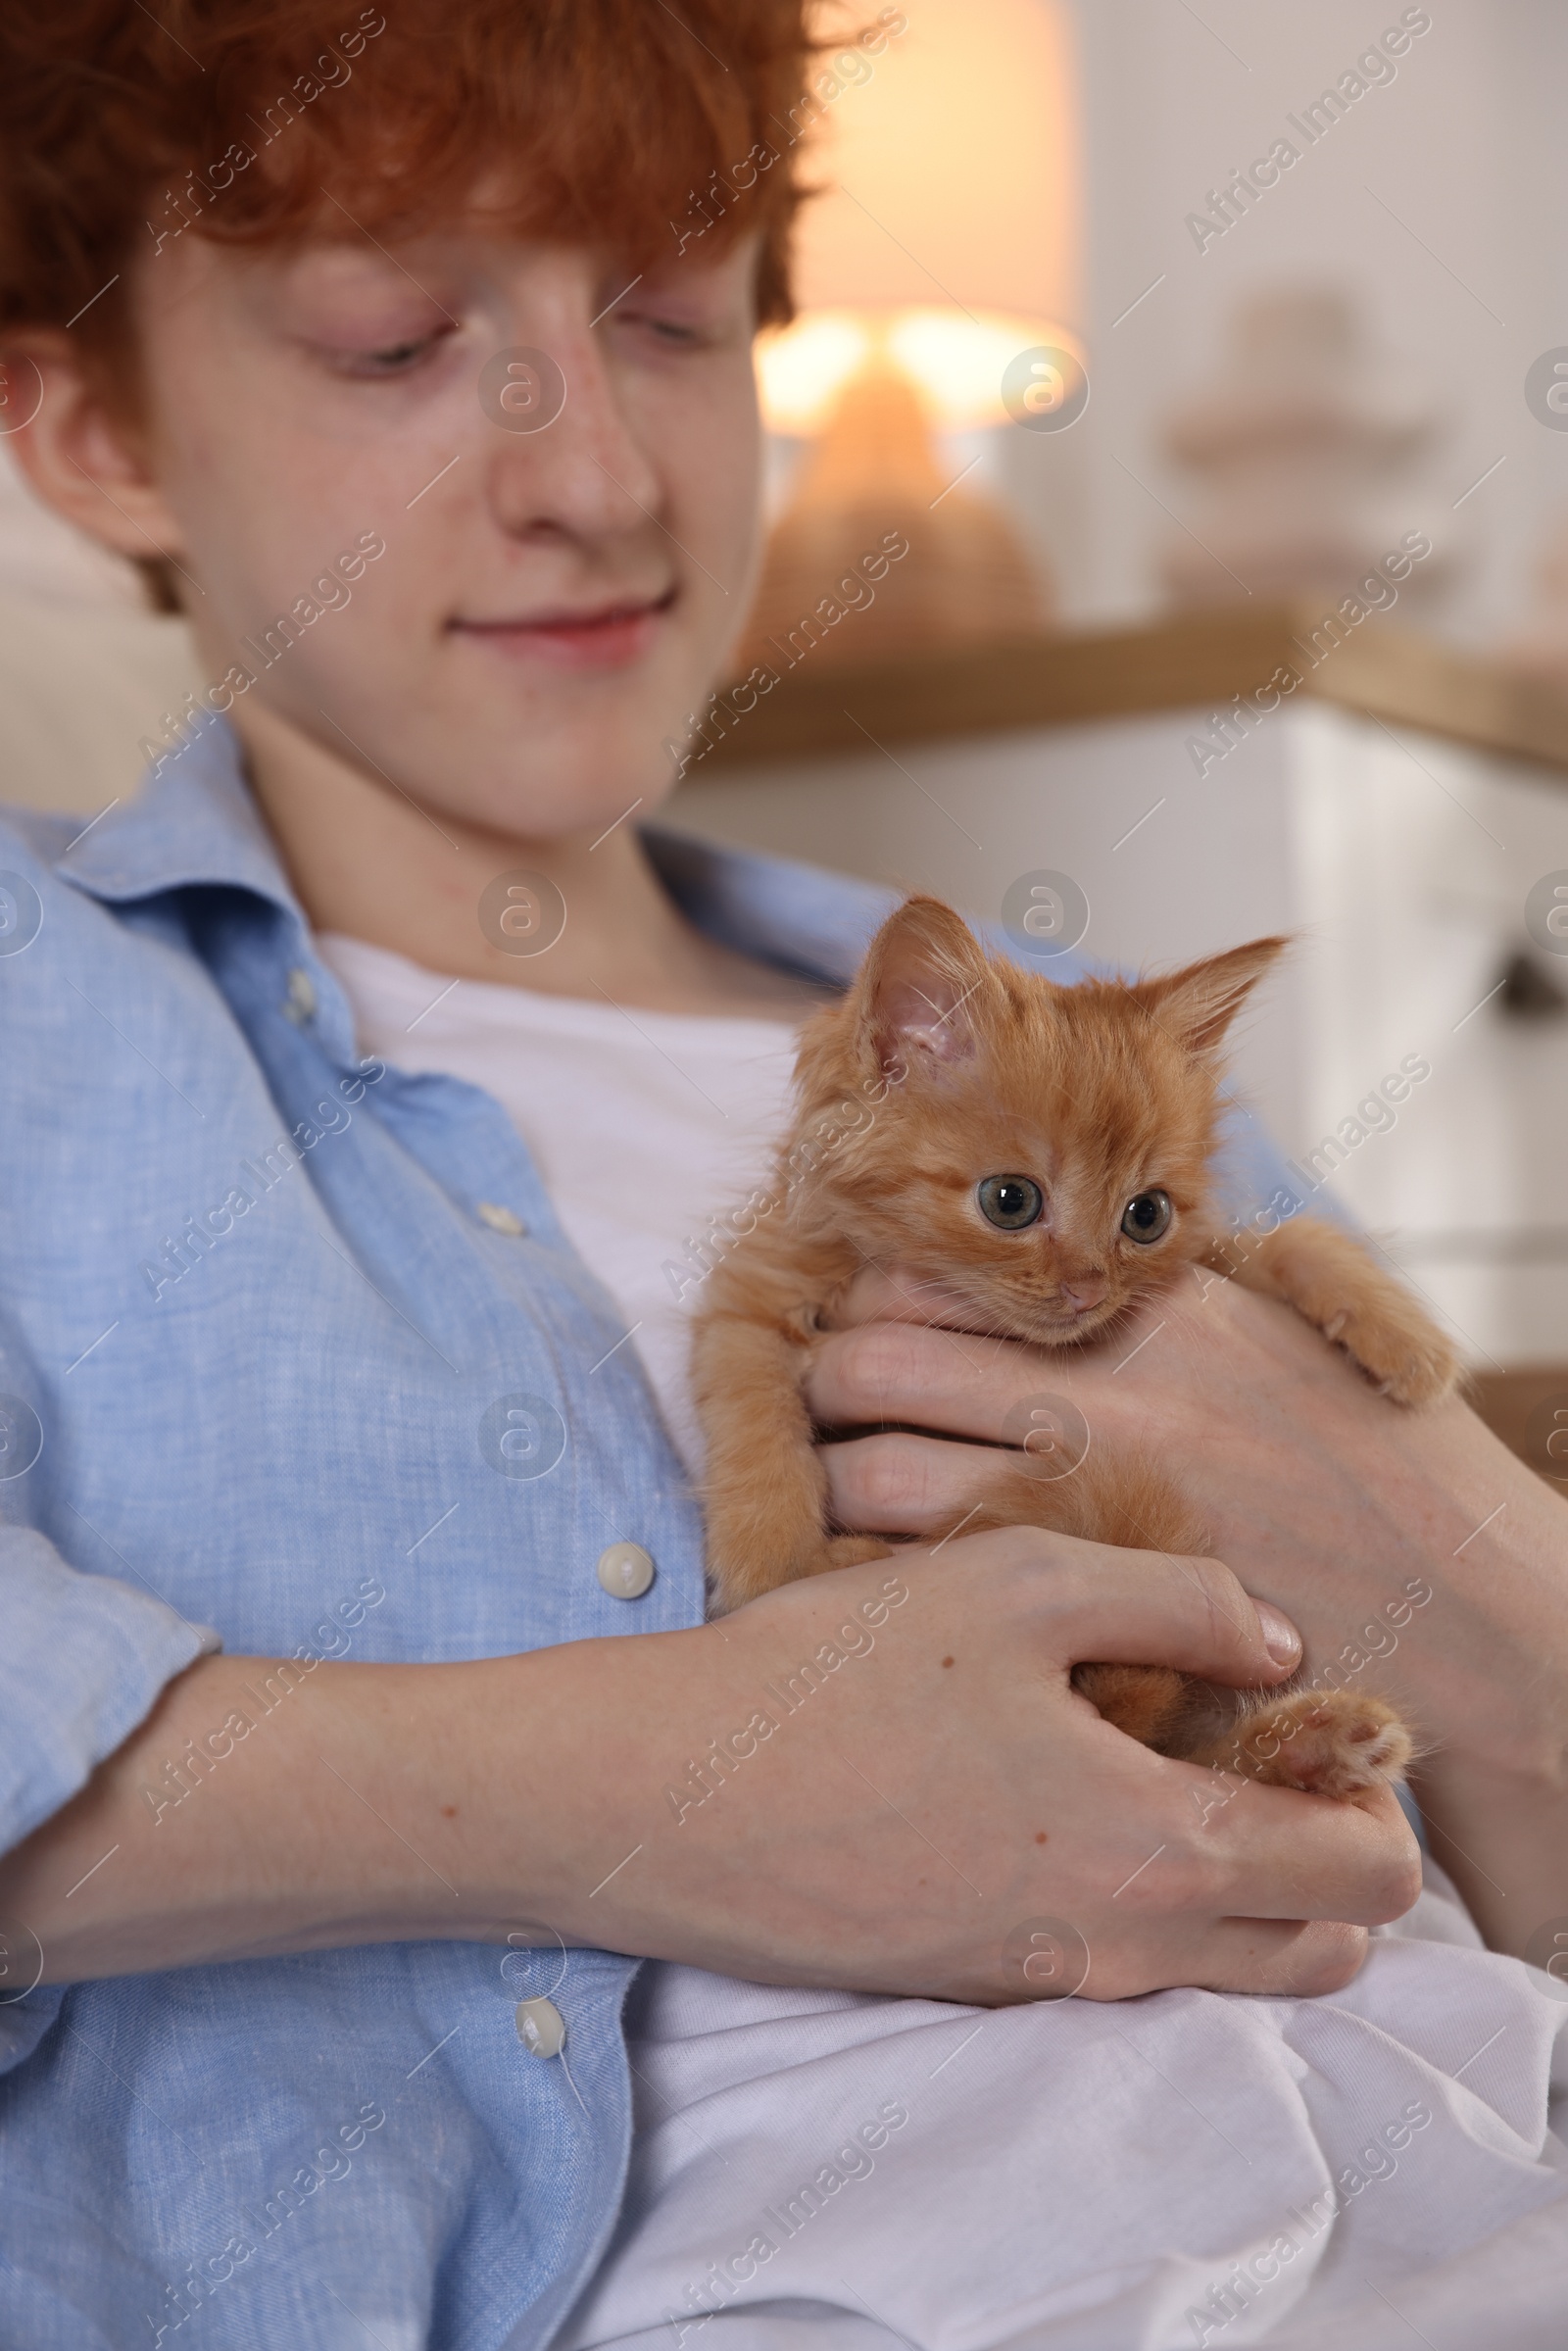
{"x":554,"y":596}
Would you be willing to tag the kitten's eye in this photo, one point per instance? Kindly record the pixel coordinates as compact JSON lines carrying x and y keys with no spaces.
{"x":1010,"y":1202}
{"x":1146,"y":1217}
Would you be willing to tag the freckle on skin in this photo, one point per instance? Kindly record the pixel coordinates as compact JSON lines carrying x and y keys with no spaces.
{"x":947,"y":1661}
{"x":449,"y":1812}
{"x":1040,"y":1837}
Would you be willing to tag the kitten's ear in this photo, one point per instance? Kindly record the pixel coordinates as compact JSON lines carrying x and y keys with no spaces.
{"x":918,"y":989}
{"x":1196,"y":1006}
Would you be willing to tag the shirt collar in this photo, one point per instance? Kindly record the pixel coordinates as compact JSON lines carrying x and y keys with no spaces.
{"x":803,"y":917}
{"x":196,"y":821}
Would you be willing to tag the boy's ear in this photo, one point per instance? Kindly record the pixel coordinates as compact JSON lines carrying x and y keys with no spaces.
{"x":920,"y":989}
{"x":1197,"y":1005}
{"x":85,"y":461}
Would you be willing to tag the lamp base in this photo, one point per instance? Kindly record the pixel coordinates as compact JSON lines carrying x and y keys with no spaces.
{"x":877,"y":555}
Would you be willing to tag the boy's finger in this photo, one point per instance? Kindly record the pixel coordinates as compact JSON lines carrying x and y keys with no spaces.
{"x":1282,"y":1854}
{"x":898,"y":1484}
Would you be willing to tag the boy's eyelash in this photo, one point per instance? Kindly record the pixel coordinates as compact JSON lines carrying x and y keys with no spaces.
{"x":397,"y":358}
{"x":671,"y":330}
{"x":394,"y":359}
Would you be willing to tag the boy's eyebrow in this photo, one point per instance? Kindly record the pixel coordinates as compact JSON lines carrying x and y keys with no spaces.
{"x":621,"y":297}
{"x":392,"y":258}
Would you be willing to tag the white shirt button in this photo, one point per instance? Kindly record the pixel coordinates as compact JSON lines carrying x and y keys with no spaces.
{"x":301,"y":1003}
{"x":501,"y":1220}
{"x":541,"y":2027}
{"x":626,"y":1571}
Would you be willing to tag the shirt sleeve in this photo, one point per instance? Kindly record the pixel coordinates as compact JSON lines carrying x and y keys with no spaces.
{"x":82,"y":1661}
{"x":82,"y":1657}
{"x":1257,"y":1185}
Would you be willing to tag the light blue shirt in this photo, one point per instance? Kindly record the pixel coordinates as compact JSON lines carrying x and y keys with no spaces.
{"x":271,"y":1376}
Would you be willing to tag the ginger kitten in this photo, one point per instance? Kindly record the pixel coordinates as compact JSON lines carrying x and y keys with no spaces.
{"x":1047,"y":1152}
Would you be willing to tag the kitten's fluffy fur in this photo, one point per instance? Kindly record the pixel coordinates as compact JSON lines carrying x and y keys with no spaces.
{"x":1098,"y":1093}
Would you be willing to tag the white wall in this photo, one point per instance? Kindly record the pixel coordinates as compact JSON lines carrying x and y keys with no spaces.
{"x":1466,"y":145}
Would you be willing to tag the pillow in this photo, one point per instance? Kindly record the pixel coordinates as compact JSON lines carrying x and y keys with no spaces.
{"x":86,"y":690}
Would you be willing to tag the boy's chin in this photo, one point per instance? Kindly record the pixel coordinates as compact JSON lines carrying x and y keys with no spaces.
{"x":519,"y":780}
{"x":564,"y":810}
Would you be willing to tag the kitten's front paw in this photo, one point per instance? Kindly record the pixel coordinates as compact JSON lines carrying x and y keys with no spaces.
{"x":1331,"y":1742}
{"x":1396,"y":1344}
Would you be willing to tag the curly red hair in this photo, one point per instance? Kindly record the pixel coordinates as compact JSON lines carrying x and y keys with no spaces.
{"x":600,"y":119}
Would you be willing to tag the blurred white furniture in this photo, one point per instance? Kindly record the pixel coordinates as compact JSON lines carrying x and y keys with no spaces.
{"x":1393,"y":814}
{"x":1303,"y":446}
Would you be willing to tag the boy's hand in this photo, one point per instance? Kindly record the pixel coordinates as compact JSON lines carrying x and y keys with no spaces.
{"x":1415,"y":1551}
{"x":940,"y":1813}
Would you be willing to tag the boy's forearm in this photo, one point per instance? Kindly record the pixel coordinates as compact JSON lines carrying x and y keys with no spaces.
{"x":760,"y":1796}
{"x":1504,"y":1844}
{"x":259,"y":1811}
{"x":1498,"y":1810}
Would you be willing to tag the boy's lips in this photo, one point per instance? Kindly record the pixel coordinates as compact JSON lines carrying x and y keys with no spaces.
{"x":605,"y":636}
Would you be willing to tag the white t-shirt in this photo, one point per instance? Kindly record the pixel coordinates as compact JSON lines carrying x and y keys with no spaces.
{"x":641,"y":1124}
{"x":819,"y":2170}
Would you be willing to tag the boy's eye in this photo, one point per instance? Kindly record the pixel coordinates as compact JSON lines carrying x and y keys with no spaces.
{"x":678,"y":333}
{"x":1010,"y":1202}
{"x":1148,"y":1216}
{"x":395,"y":359}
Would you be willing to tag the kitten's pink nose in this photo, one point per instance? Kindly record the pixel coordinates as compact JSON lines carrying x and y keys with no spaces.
{"x":1083,"y":1291}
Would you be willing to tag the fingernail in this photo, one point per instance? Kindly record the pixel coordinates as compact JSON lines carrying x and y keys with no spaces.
{"x":1280,"y":1637}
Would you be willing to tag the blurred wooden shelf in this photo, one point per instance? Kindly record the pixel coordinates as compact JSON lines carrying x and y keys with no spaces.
{"x":1196,"y":662}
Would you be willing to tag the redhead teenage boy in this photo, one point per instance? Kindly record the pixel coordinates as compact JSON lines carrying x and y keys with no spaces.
{"x":352,"y":1569}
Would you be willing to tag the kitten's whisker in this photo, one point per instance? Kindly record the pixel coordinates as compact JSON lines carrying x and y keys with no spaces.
{"x":924,"y":1282}
{"x":909,"y":1295}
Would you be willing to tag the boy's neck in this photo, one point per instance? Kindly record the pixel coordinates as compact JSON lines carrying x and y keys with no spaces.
{"x":367,"y":861}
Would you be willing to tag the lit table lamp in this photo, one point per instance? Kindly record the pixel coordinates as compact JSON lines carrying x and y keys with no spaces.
{"x":933,"y":280}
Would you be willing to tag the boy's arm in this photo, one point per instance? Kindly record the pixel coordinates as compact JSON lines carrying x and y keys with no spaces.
{"x":911,"y":1805}
{"x":1420,"y":1559}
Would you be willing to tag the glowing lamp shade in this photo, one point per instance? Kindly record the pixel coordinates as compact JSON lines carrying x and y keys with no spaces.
{"x":943,"y":245}
{"x":950,"y":220}
{"x":957,"y":358}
